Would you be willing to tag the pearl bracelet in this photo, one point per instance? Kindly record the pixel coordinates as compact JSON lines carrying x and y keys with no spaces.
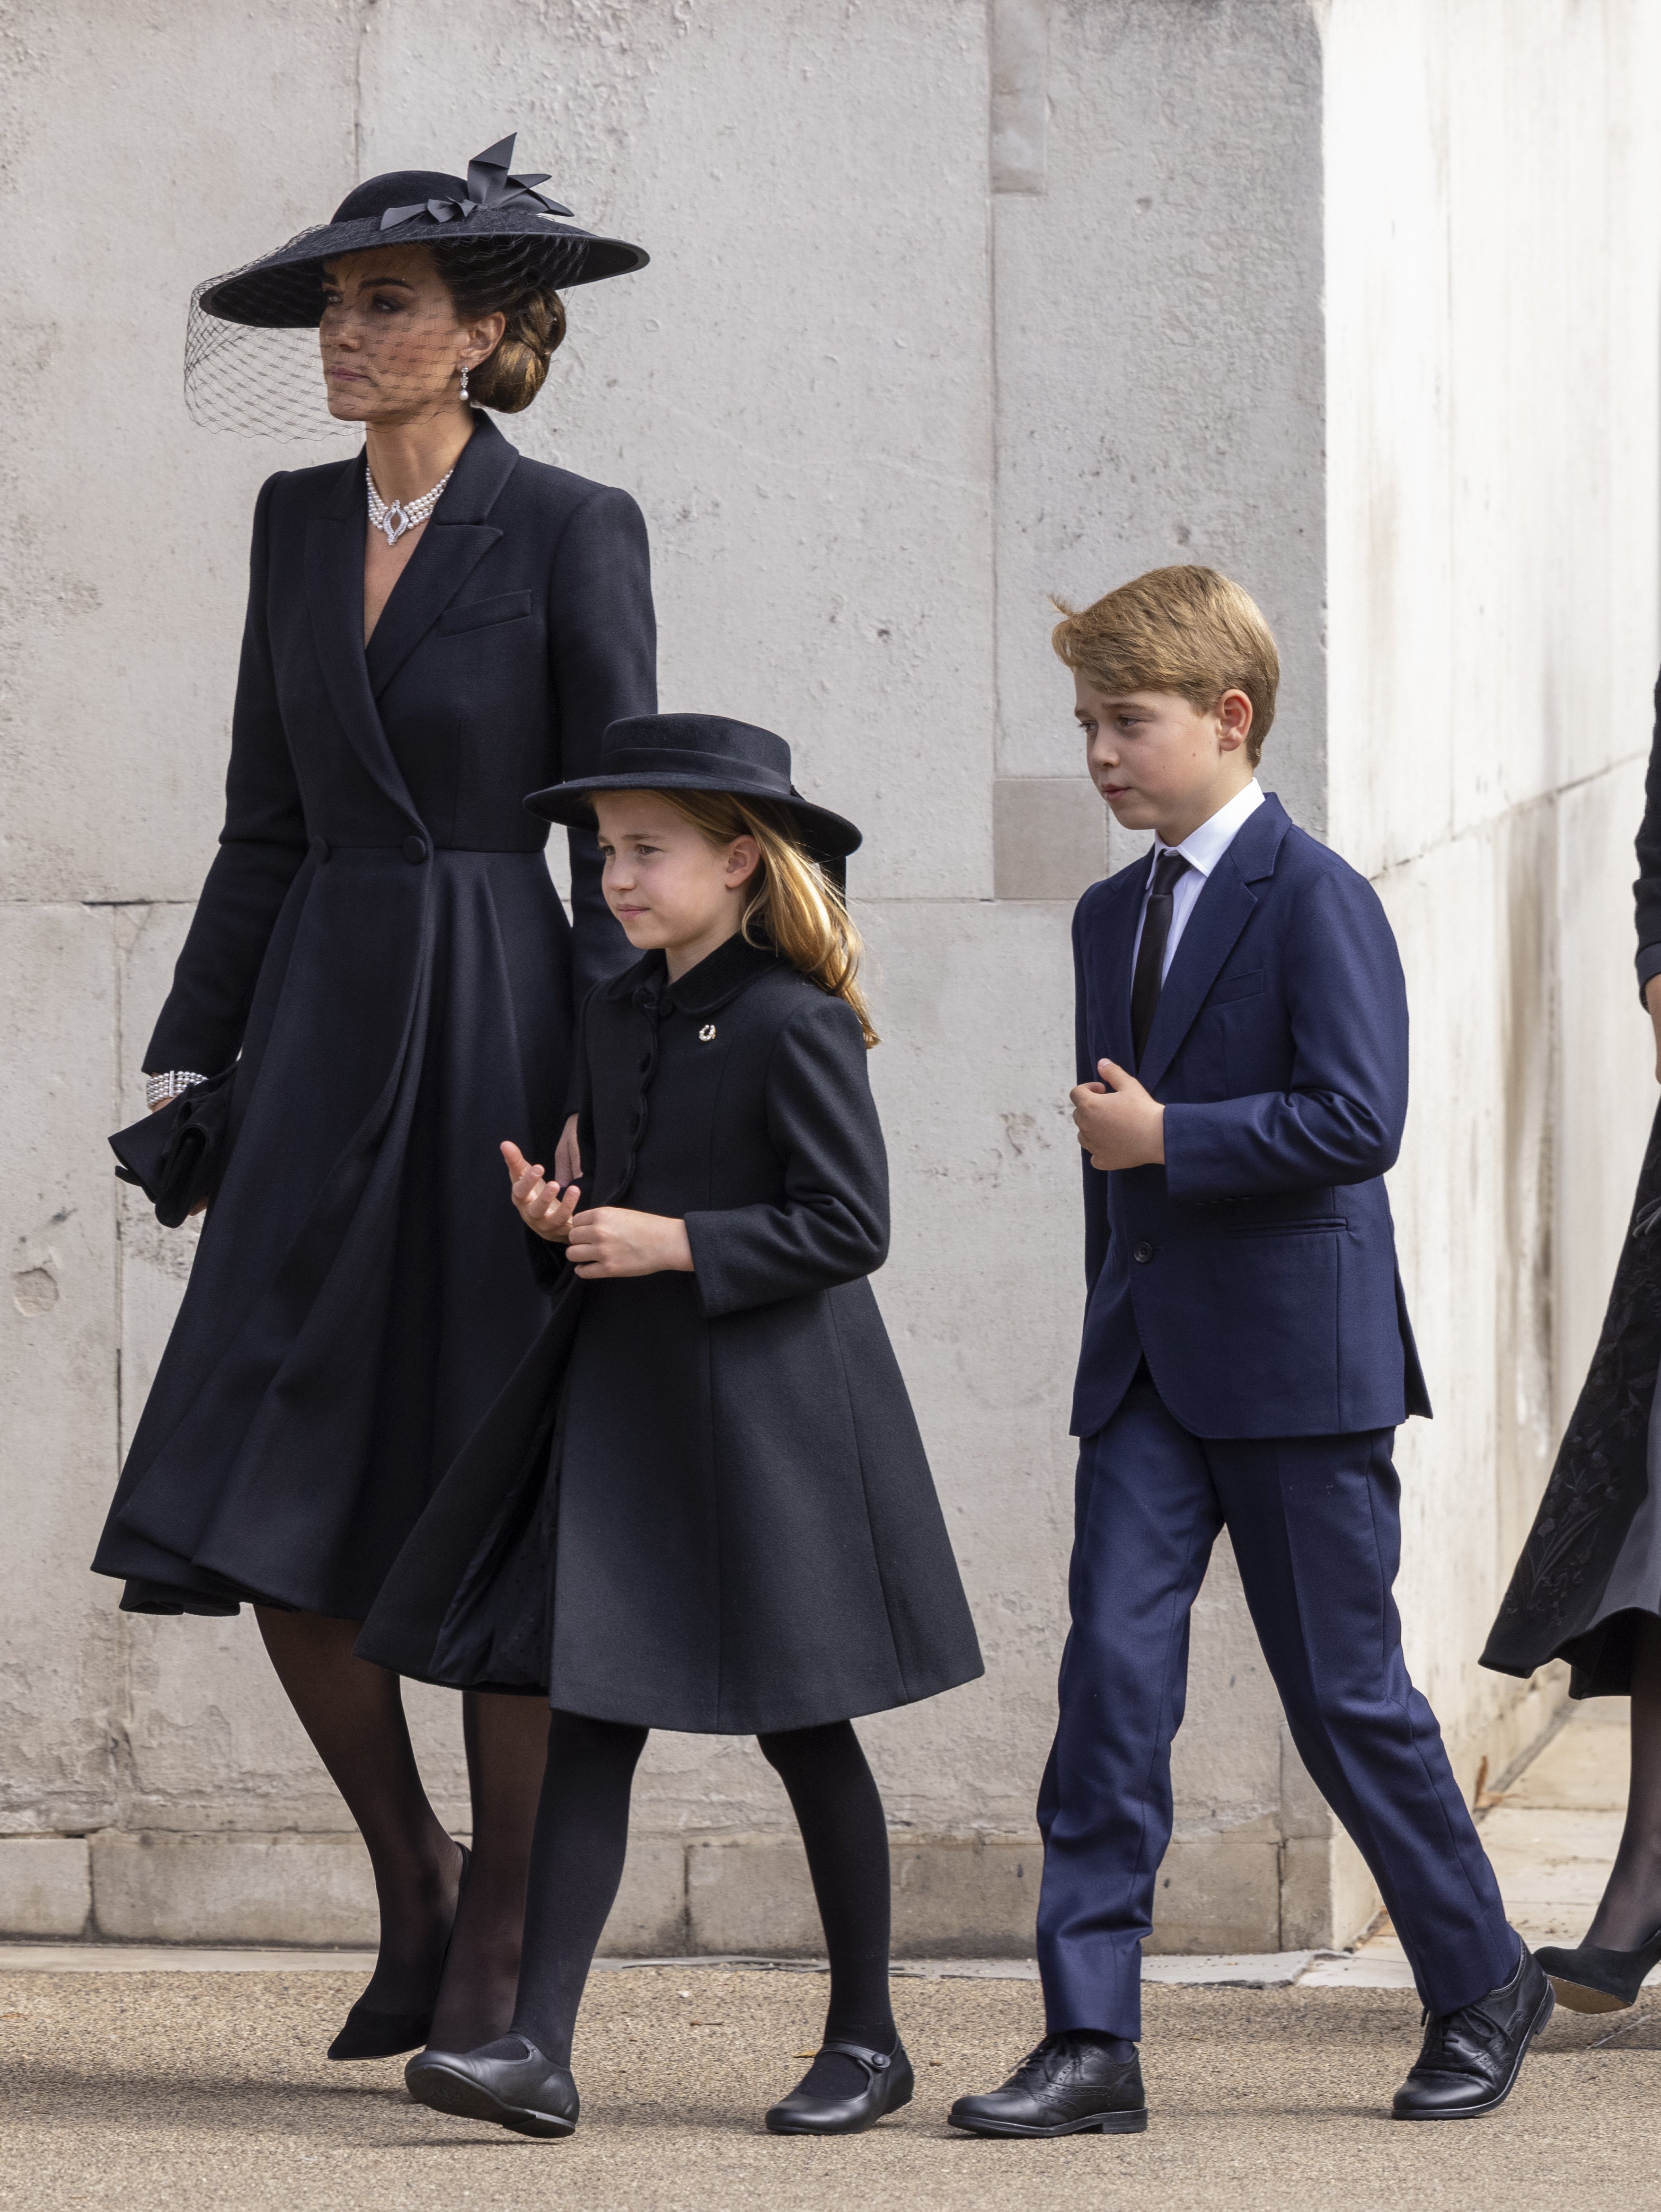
{"x":158,"y":1089}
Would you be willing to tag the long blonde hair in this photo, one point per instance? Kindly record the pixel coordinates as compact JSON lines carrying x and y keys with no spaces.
{"x":794,"y":907}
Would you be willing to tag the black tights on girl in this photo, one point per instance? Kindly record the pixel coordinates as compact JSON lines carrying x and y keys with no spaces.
{"x":577,"y":1865}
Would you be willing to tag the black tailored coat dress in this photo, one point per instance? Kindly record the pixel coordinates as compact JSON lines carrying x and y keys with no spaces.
{"x":703,"y":1504}
{"x":1589,"y":1565}
{"x":380,"y":951}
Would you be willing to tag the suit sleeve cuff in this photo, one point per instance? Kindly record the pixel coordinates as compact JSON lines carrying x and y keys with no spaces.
{"x":1649,"y":963}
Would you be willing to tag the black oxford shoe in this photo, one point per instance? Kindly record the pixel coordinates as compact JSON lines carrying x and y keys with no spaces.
{"x":888,"y":2085}
{"x":509,"y":2083}
{"x":1471,"y":2057}
{"x":1069,"y":2086}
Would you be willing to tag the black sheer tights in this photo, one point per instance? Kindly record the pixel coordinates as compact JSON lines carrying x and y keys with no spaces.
{"x":1630,"y":1913}
{"x":581,"y":1836}
{"x":354,"y":1714}
{"x":507,"y":1740}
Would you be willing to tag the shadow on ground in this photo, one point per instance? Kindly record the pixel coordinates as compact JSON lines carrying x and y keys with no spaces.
{"x":177,"y":2090}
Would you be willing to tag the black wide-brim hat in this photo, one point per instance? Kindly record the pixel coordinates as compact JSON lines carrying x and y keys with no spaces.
{"x":698,"y":752}
{"x":420,"y":207}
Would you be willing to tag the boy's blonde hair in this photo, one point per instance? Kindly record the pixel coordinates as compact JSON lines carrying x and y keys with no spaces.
{"x":794,"y":907}
{"x":1188,"y":630}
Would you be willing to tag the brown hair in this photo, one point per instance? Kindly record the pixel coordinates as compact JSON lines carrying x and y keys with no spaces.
{"x":794,"y":907}
{"x":484,"y":279}
{"x":1188,"y":630}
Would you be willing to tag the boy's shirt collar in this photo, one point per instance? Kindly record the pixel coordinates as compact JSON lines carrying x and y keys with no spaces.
{"x":1203,"y":847}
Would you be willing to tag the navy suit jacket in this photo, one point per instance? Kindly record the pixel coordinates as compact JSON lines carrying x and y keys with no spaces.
{"x":1255,"y":1270}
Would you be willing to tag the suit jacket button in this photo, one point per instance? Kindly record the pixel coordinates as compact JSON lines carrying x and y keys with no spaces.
{"x":320,"y":850}
{"x":1141,"y":1253}
{"x":414,"y":850}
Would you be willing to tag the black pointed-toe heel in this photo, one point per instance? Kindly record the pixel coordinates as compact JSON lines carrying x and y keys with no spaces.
{"x":509,"y":2083}
{"x":368,"y":2034}
{"x":889,"y":2083}
{"x":371,"y":2034}
{"x":1591,"y":1980}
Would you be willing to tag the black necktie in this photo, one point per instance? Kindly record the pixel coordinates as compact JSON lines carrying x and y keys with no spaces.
{"x":1150,"y":953}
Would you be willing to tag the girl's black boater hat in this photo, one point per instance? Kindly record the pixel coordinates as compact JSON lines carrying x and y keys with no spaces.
{"x":420,"y":207}
{"x":698,"y":752}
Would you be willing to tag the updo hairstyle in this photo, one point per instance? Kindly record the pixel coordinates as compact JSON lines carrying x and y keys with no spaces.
{"x":499,"y":278}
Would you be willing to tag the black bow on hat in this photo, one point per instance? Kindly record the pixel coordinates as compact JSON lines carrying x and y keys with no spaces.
{"x":489,"y":185}
{"x":284,"y":289}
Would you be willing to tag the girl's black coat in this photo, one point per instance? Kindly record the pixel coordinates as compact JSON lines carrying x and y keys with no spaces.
{"x":739,"y":1533}
{"x":379,"y":940}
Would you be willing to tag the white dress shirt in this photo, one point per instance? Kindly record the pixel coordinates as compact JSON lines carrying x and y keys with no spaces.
{"x":1201,"y":850}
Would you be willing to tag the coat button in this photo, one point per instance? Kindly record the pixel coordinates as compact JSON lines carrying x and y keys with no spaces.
{"x":414,"y":850}
{"x":320,"y":850}
{"x":1141,"y":1254}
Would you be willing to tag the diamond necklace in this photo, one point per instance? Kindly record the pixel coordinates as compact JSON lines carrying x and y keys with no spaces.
{"x":394,"y":516}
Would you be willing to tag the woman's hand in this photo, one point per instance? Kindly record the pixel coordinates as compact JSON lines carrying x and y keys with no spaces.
{"x":1653,"y":1000}
{"x":615,"y":1240}
{"x":542,"y":1207}
{"x":201,"y":1205}
{"x":568,"y":1160}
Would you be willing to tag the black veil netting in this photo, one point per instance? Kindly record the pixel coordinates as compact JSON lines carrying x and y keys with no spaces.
{"x":251,"y":359}
{"x":251,"y":356}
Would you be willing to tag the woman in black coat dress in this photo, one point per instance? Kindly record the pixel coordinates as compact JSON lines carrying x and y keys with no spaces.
{"x":703,"y":1504}
{"x":379,"y":952}
{"x":1587,"y":1588}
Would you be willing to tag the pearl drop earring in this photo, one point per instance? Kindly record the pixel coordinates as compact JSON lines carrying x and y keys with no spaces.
{"x":464,"y":382}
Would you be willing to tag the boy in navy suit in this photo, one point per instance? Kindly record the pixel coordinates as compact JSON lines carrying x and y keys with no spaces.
{"x":1243,"y":1081}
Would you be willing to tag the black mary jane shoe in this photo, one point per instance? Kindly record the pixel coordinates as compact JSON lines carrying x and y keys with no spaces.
{"x":509,"y":2083}
{"x":1591,"y":1980}
{"x":1071,"y":2085}
{"x":368,"y":2034}
{"x":1470,"y":2058}
{"x":889,"y":2083}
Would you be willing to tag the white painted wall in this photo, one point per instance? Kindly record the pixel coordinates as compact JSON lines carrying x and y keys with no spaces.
{"x":952,"y":306}
{"x":1493,"y":280}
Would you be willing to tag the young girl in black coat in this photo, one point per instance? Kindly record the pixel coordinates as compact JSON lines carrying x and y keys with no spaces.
{"x":736,"y":1532}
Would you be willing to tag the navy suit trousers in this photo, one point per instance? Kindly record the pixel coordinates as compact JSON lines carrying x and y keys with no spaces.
{"x":1316,"y":1530}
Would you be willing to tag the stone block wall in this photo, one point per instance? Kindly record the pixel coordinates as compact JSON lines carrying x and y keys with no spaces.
{"x":954,"y":305}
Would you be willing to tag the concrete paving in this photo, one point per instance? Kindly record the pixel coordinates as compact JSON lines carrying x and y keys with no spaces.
{"x":160,"y":2091}
{"x":159,"y":2079}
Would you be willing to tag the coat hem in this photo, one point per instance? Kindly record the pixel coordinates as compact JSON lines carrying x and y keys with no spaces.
{"x":629,"y":1712}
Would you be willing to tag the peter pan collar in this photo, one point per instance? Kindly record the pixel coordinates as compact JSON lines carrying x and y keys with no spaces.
{"x":715,"y":983}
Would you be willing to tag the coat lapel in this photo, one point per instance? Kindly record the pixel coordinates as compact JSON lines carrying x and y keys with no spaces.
{"x":1114,"y":939}
{"x":1221,"y":913}
{"x":334,"y":588}
{"x":454,"y":542}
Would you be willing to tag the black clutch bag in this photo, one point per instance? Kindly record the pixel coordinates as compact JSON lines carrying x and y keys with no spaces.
{"x":177,"y":1155}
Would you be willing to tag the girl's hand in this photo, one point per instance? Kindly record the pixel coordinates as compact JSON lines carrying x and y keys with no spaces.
{"x":544,"y":1209}
{"x":614,"y":1240}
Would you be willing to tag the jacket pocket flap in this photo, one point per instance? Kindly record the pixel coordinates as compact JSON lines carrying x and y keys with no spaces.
{"x":1227,"y":987}
{"x":476,"y":613}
